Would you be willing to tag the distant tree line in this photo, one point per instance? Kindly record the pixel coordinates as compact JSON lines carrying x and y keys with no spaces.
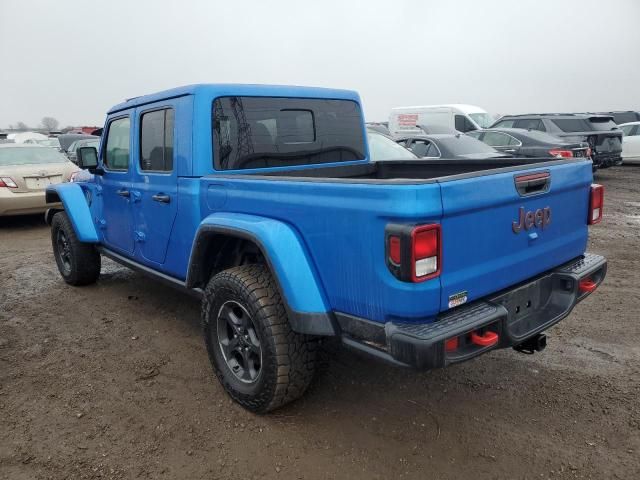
{"x":48,"y":124}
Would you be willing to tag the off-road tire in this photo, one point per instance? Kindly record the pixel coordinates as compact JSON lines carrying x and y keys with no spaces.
{"x":82,"y":264}
{"x":288,"y":358}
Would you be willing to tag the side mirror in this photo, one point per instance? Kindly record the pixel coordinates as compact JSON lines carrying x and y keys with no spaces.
{"x":87,"y":159}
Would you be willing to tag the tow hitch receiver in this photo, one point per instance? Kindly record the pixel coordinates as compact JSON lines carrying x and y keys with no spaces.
{"x":537,"y":343}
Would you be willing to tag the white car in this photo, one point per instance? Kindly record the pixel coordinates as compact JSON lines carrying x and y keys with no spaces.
{"x":630,"y":142}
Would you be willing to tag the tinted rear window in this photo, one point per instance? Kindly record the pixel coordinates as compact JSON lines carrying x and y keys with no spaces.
{"x":262,"y":132}
{"x":584,"y":124}
{"x":464,"y":145}
{"x":625,"y":117}
{"x":602,"y":123}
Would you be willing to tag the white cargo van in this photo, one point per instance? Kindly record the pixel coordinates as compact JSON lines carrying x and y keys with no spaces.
{"x":464,"y":118}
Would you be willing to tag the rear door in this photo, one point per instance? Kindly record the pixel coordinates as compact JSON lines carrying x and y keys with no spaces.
{"x":500,"y":229}
{"x":116,"y":186}
{"x":154,"y":190}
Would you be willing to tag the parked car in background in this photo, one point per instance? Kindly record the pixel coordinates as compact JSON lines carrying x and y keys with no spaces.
{"x":25,"y":172}
{"x":599,"y":131}
{"x":68,"y":138}
{"x":530,"y":143}
{"x":631,"y":142}
{"x":621,"y":117}
{"x":87,"y":142}
{"x":405,"y":121}
{"x":47,"y":142}
{"x":382,"y":147}
{"x":23,"y":137}
{"x":449,"y":146}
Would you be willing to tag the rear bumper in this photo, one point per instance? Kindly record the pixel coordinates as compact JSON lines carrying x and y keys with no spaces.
{"x":22,"y":203}
{"x":505,"y":319}
{"x":604,"y":160}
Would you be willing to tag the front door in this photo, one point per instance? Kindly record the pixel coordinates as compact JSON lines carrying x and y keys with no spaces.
{"x":116,"y":187}
{"x":155,"y":182}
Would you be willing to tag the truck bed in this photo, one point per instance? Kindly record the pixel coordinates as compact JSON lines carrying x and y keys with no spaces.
{"x":396,"y":171}
{"x":341,"y":212}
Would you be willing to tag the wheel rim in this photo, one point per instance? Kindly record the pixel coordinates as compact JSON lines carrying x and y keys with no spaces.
{"x":239,"y":342}
{"x":64,"y":251}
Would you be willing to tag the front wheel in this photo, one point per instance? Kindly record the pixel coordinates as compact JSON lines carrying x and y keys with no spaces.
{"x":78,"y":262}
{"x":259,"y":360}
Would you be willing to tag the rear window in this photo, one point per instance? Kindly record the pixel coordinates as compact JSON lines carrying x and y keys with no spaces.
{"x":263,"y":132}
{"x":464,"y":145}
{"x":602,"y":123}
{"x":584,"y":124}
{"x":30,"y":156}
{"x":625,"y":117}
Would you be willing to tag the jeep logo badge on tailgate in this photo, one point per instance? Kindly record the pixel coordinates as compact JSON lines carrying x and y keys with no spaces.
{"x":540,"y":218}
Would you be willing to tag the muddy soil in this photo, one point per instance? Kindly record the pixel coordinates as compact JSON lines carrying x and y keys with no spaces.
{"x":113,"y":381}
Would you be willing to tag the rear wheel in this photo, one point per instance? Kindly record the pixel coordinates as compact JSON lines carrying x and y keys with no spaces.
{"x":259,"y":360}
{"x":78,"y":262}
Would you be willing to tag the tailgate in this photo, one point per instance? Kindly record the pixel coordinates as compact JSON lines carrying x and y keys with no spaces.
{"x":488,"y":243}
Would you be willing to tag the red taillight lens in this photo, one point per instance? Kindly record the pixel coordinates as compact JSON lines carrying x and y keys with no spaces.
{"x":596,"y":203}
{"x":413,"y":254}
{"x":7,"y":182}
{"x":589,"y":152}
{"x":556,"y":152}
{"x":425,"y":252}
{"x":394,"y":250}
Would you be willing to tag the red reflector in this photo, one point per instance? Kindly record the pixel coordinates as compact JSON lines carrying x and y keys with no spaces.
{"x":425,"y":243}
{"x":394,"y":250}
{"x":485,"y":340}
{"x":561,"y":153}
{"x":451,"y":345}
{"x":587,"y":285}
{"x":596,"y":203}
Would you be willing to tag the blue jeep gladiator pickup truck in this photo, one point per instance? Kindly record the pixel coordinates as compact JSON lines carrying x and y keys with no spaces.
{"x":262,"y":200}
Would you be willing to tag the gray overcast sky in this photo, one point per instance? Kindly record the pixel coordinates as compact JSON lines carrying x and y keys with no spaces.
{"x":74,"y":59}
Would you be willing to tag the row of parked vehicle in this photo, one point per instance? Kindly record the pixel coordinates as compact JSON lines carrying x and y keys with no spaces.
{"x":467,"y":131}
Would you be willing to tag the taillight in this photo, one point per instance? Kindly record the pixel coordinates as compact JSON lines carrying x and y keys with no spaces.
{"x":596,"y":202}
{"x":413,"y":252}
{"x":589,"y":152}
{"x":425,"y":257}
{"x":7,"y":182}
{"x":556,"y":152}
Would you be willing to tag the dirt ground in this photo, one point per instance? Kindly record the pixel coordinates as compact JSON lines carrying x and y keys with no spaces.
{"x":113,"y":381}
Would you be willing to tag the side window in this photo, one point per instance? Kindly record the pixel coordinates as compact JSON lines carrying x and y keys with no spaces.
{"x":463,"y":124}
{"x":505,"y":124}
{"x":496,"y":139}
{"x":627,"y":129}
{"x":420,"y":147}
{"x":475,"y":134}
{"x":531,"y":124}
{"x":117,"y":147}
{"x":156,"y":140}
{"x":433,"y":151}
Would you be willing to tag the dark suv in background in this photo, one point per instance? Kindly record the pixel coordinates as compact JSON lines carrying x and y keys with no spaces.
{"x":621,"y":117}
{"x":599,"y":131}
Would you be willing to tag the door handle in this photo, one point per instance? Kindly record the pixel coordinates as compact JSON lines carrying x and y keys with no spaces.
{"x":123,"y":193}
{"x":161,"y":197}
